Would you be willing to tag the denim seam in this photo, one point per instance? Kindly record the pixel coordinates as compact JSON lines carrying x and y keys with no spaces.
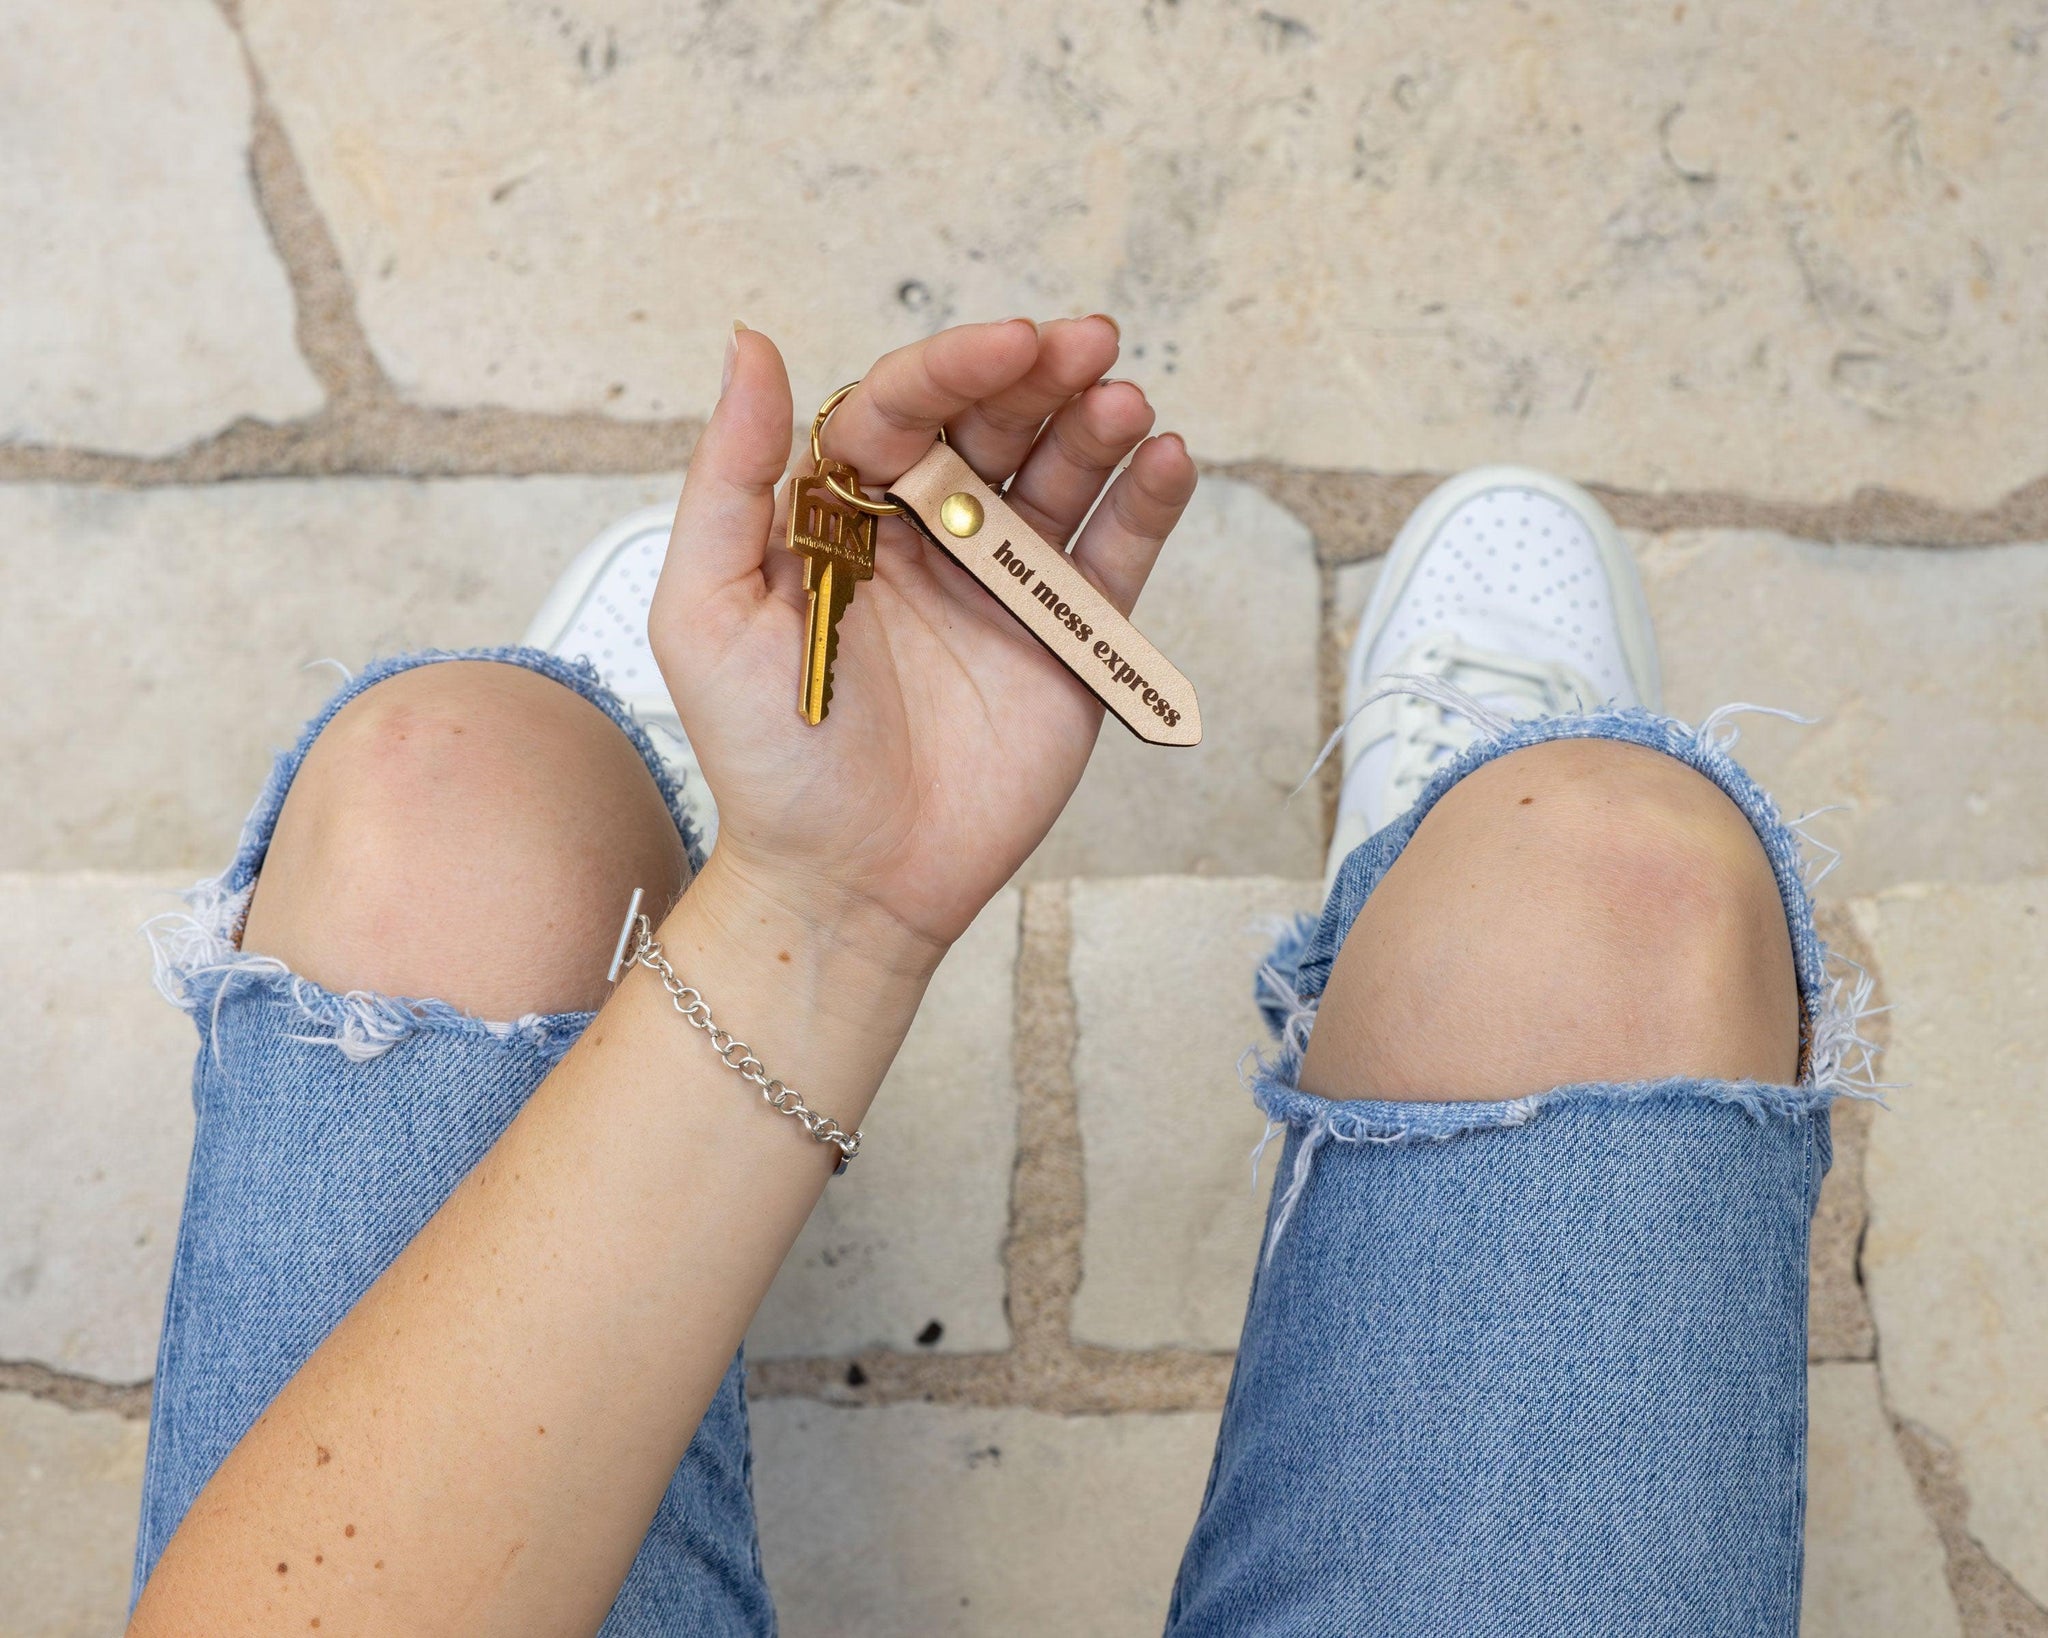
{"x":1797,"y":1503}
{"x":196,"y":952}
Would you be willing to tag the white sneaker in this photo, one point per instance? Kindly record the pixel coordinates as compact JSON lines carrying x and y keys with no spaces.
{"x":1510,"y":585}
{"x":598,"y":611}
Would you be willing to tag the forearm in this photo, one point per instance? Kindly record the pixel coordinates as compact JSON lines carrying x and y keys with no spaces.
{"x":480,"y":1444}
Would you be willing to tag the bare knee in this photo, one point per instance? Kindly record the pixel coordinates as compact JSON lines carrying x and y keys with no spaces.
{"x":468,"y":831}
{"x":1580,"y":910}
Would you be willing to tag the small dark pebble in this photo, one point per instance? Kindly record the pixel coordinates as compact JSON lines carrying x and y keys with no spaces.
{"x":929,"y":1336}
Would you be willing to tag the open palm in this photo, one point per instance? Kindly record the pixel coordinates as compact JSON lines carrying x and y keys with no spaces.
{"x":954,"y":738}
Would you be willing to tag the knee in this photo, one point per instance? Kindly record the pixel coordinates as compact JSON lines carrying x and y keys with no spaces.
{"x":1580,"y":910}
{"x":468,"y":831}
{"x":1623,"y":854}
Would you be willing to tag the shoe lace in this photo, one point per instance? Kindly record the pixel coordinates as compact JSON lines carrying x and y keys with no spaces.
{"x":1428,"y":734}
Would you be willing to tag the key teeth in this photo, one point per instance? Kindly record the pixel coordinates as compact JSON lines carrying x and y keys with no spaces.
{"x":830,"y":586}
{"x":831,"y":660}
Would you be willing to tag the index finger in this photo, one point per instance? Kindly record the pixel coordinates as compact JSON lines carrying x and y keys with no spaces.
{"x":890,"y":419}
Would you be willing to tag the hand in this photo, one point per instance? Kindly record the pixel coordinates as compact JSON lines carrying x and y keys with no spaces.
{"x":953,"y":739}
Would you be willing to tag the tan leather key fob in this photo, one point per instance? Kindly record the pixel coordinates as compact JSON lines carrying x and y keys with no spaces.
{"x":1055,"y":602}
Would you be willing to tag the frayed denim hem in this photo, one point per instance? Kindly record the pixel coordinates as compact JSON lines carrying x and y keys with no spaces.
{"x":197,"y":955}
{"x":1836,"y":1060}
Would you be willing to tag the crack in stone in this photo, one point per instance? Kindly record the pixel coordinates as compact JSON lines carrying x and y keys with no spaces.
{"x":1355,"y":514}
{"x":1841,"y":1328}
{"x":329,"y":333}
{"x":128,"y":1400}
{"x":1042,"y":1255}
{"x":1332,"y":655}
{"x":384,"y":438}
{"x":1063,"y":1380}
{"x":1990,"y":1603}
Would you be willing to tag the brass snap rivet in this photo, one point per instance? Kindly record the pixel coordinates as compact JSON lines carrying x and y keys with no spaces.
{"x":960,"y":512}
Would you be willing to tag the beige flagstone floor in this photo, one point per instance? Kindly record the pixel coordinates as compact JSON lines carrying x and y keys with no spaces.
{"x":326,"y":329}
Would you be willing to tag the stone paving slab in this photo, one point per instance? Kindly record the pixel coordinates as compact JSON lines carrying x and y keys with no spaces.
{"x":95,"y":1124}
{"x":1874,"y":1563}
{"x":1787,"y":252}
{"x":1162,"y":975}
{"x":70,"y":1493}
{"x":1926,"y":668}
{"x":1958,"y":1244}
{"x":912,"y":1236}
{"x":154,"y":644}
{"x":1838,"y":1324}
{"x":142,"y":305}
{"x":1234,"y":604}
{"x":938,"y":1519}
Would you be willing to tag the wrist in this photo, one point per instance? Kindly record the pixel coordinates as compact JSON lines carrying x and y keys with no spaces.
{"x":822,"y":988}
{"x":807,"y":925}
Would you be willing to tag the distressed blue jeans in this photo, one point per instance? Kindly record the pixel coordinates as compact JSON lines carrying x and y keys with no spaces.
{"x":1534,"y":1367}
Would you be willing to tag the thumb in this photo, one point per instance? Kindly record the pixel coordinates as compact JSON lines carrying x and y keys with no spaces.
{"x":728,"y":505}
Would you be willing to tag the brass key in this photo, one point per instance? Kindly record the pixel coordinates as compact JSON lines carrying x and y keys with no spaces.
{"x":837,"y":543}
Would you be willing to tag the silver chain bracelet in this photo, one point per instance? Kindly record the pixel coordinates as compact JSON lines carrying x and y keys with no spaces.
{"x":734,"y":1053}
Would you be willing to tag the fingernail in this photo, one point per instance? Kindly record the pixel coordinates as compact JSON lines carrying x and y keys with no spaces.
{"x":1021,"y":319}
{"x":732,"y":353}
{"x":1112,"y":323}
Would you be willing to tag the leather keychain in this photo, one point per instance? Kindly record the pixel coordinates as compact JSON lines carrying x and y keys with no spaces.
{"x":832,"y":525}
{"x":1050,"y":597}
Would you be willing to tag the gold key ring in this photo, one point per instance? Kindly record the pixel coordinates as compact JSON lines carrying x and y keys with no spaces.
{"x":848,"y":491}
